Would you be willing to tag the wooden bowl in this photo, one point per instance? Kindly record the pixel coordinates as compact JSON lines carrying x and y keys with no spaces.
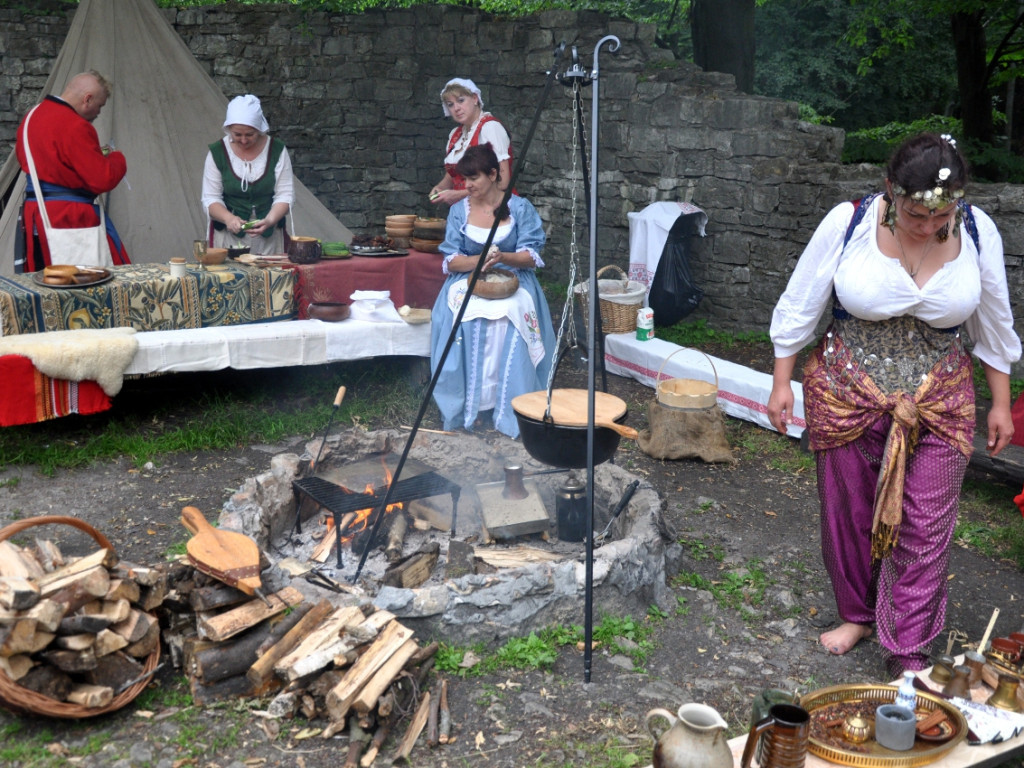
{"x":214,"y":256}
{"x":401,"y":219}
{"x":398,"y":231}
{"x":496,"y":283}
{"x":430,"y":225}
{"x":427,"y":246}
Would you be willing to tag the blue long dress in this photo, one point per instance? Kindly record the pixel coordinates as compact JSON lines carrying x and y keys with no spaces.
{"x":459,"y":386}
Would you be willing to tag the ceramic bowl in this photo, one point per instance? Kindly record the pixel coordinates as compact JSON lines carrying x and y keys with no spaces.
{"x":238,"y":250}
{"x":328,"y":311}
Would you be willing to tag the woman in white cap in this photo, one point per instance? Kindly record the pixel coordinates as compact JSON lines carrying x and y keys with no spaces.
{"x":248,"y":187}
{"x":461,"y":100}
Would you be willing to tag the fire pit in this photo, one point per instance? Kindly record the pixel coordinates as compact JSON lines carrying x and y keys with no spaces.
{"x":515,"y":582}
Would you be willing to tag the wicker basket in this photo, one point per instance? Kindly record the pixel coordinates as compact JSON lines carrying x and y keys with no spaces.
{"x":23,"y":701}
{"x":618,"y":300}
{"x":687,"y":394}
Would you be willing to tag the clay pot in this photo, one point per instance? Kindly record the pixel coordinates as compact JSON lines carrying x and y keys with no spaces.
{"x":304,"y":250}
{"x":328,"y":311}
{"x":695,"y":738}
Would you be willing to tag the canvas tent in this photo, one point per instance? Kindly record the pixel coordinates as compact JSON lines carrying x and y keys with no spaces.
{"x":163,"y":113}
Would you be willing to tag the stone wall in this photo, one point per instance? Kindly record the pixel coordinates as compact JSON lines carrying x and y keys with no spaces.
{"x":355,"y":98}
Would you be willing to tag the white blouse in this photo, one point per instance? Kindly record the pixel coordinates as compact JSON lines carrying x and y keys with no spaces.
{"x":213,"y":184}
{"x":492,"y":133}
{"x":970,"y":290}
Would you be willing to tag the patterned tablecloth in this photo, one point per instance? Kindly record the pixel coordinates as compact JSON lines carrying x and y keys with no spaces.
{"x":147,"y":298}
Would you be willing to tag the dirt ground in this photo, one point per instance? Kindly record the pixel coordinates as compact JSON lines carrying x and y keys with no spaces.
{"x":720,"y":520}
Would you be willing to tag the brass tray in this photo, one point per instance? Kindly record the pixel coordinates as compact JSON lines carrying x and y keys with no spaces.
{"x":874,"y":755}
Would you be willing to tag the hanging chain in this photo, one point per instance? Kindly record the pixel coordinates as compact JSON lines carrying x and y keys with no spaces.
{"x":567,"y":325}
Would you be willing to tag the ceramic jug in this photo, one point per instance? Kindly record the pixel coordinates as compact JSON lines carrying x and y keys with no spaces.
{"x":695,"y":738}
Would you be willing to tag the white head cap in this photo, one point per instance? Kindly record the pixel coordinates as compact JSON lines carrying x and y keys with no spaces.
{"x":246,"y":110}
{"x":469,"y":85}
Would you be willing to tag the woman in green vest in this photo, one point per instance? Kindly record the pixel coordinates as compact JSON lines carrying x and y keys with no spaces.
{"x":248,"y":187}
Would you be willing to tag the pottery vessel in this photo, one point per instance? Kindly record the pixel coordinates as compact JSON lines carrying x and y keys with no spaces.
{"x":895,"y":727}
{"x":304,"y":250}
{"x":695,"y":738}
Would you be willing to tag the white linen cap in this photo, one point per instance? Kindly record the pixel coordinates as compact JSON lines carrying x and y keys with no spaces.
{"x":246,"y":110}
{"x":469,"y":85}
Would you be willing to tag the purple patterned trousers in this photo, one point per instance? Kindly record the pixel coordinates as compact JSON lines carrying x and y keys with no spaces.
{"x":905,"y":594}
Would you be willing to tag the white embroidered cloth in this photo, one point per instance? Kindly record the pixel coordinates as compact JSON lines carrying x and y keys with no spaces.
{"x":518,"y":308}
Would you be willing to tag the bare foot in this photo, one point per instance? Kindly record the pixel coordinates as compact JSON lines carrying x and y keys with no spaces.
{"x":844,"y":637}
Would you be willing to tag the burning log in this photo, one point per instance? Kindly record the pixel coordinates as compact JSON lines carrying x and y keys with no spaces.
{"x":396,"y":537}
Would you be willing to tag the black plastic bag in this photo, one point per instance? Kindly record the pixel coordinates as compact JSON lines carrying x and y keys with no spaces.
{"x":673,"y":293}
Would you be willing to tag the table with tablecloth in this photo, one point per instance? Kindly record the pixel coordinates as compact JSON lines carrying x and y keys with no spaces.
{"x":413,"y":279}
{"x":147,"y":298}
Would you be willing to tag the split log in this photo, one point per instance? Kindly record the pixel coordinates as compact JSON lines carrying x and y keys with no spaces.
{"x":341,"y":697}
{"x":415,"y":569}
{"x":151,"y":596}
{"x":134,"y":626}
{"x":14,"y":563}
{"x":413,"y":732}
{"x":216,"y":596}
{"x":319,"y":648}
{"x":18,"y":593}
{"x":16,"y":667}
{"x":396,"y":537}
{"x":103,"y":558}
{"x":108,"y":641}
{"x":123,"y":589}
{"x":263,"y":667}
{"x":115,"y":669}
{"x":395,"y":709}
{"x":237,"y":620}
{"x":75,"y":642}
{"x":323,"y":548}
{"x":71,"y":661}
{"x":116,"y":611}
{"x":48,"y":681}
{"x":357,"y":739}
{"x":91,"y":696}
{"x":435,"y":704}
{"x":23,"y":637}
{"x":73,"y":625}
{"x":460,"y":559}
{"x":516,"y":557}
{"x":374,"y":688}
{"x":147,"y":644}
{"x":46,"y":615}
{"x":143,"y":575}
{"x":77,"y":589}
{"x":231,"y":688}
{"x":435,"y":512}
{"x":282,"y":624}
{"x":48,"y":554}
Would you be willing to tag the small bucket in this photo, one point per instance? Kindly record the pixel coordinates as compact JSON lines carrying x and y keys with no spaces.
{"x":687,"y":394}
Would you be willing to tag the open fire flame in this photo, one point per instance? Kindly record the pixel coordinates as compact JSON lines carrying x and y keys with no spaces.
{"x":356,"y":522}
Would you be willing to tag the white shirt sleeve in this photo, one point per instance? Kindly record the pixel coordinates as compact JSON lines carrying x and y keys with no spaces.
{"x":493,"y":133}
{"x":991,"y":325}
{"x":809,"y":289}
{"x":213,"y":184}
{"x":284,"y":180}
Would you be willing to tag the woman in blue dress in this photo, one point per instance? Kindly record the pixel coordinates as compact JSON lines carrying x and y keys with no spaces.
{"x":503,"y":348}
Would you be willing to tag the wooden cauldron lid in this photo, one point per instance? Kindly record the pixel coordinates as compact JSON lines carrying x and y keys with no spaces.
{"x":569,"y":406}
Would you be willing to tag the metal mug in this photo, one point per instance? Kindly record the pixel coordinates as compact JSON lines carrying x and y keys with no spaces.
{"x":784,"y":733}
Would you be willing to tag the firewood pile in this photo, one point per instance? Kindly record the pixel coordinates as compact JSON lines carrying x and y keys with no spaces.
{"x":356,"y":668}
{"x":75,"y":633}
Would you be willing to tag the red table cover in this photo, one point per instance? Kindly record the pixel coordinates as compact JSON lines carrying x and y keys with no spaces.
{"x":414,"y":279}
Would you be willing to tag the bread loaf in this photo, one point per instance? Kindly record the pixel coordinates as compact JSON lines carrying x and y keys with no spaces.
{"x":60,"y":270}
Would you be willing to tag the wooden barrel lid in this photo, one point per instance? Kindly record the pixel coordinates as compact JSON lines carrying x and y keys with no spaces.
{"x":569,"y":406}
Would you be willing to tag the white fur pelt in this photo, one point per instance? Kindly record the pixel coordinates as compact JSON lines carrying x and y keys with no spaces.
{"x":90,"y":354}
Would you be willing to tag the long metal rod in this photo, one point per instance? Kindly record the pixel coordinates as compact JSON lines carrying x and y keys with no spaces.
{"x":588,"y":608}
{"x":379,"y":515}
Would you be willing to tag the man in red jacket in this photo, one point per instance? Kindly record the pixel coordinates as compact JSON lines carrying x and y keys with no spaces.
{"x":72,"y":167}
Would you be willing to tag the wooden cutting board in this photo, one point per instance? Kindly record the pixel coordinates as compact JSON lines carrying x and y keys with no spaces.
{"x":229,"y":556}
{"x":569,"y":408}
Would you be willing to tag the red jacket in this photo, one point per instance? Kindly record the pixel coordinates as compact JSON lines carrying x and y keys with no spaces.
{"x":66,"y":151}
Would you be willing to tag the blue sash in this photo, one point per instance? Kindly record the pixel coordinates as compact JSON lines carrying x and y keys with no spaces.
{"x":68,"y":195}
